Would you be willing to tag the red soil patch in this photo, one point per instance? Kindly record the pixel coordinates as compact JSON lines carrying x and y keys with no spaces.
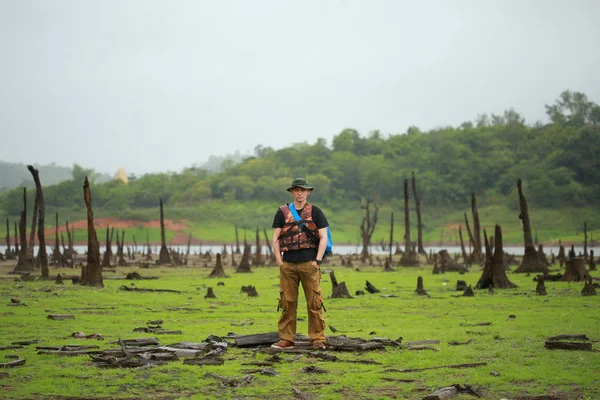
{"x":101,"y":223}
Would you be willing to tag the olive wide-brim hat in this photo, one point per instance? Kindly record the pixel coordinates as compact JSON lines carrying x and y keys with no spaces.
{"x":301,"y":183}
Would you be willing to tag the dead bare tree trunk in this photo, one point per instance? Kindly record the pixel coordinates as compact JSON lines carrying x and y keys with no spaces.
{"x":409,"y":258}
{"x":531,"y":261}
{"x":31,"y":245}
{"x":477,"y":254}
{"x":388,"y":262}
{"x":271,"y":255}
{"x":585,"y":240}
{"x":148,"y":248}
{"x":9,"y":254}
{"x":120,"y":253}
{"x":108,"y":252}
{"x":237,"y":241}
{"x":466,"y":259}
{"x":25,"y":262}
{"x":562,"y":257}
{"x":39,"y":195}
{"x":258,"y":257}
{"x":17,"y":246}
{"x":368,"y":226}
{"x":91,"y":274}
{"x":164,"y":257}
{"x":57,"y":257}
{"x":420,"y":248}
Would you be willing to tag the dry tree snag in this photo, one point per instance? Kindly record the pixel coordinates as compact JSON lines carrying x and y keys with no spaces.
{"x":420,"y":248}
{"x":108,"y":252}
{"x":531,"y":260}
{"x":409,"y":258}
{"x":218,"y":271}
{"x":25,"y":262}
{"x":258,"y":257}
{"x":91,"y":274}
{"x":120,"y":253}
{"x":16,"y":236}
{"x":271,"y":254}
{"x":477,"y":255}
{"x":585,"y":240}
{"x":592,"y":266}
{"x":57,"y":257}
{"x":448,"y":264}
{"x":9,"y":254}
{"x":39,"y":196}
{"x":388,"y":260}
{"x":189,"y":246}
{"x":164,"y":257}
{"x":466,"y":259}
{"x":148,"y":248}
{"x":540,"y":289}
{"x":367,"y":227}
{"x":494,"y":271}
{"x":237,"y":241}
{"x":471,"y":239}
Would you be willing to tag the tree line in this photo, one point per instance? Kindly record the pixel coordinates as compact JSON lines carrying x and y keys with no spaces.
{"x":559,"y":161}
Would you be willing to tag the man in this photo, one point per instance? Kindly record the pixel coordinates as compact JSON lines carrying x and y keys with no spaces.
{"x":303,"y":246}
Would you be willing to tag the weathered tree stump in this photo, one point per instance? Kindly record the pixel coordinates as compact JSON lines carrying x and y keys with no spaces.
{"x":541,"y":287}
{"x":461,"y":286}
{"x":442,"y":394}
{"x":218,"y":271}
{"x":339,"y":290}
{"x":494,"y":270}
{"x":575,"y":270}
{"x":420,"y":248}
{"x":420,"y":289}
{"x":210,"y":294}
{"x":370,"y":288}
{"x":244,"y":265}
{"x":249,"y":290}
{"x":469,"y":292}
{"x":59,"y":280}
{"x":447,"y":264}
{"x":588,"y":289}
{"x":592,"y":265}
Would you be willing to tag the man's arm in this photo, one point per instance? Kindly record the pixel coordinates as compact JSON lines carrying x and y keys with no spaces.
{"x":277,"y":249}
{"x":322,"y":243}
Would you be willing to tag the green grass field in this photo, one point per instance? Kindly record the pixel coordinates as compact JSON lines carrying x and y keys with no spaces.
{"x":513,"y":348}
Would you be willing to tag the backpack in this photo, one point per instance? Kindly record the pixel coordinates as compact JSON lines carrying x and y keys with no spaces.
{"x":309,"y":233}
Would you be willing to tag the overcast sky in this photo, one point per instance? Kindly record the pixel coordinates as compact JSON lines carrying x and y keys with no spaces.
{"x":162,"y":85}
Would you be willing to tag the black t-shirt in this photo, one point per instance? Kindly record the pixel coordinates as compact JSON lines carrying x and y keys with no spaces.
{"x":301,"y":255}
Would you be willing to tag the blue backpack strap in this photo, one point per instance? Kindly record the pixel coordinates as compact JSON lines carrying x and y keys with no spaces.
{"x":294,"y":212}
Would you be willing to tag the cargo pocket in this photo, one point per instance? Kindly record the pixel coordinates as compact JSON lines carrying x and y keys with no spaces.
{"x":318,"y":301}
{"x":281,"y":304}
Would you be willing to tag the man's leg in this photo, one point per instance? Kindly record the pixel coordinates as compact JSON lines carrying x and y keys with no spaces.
{"x":288,"y":300}
{"x":311,"y":283}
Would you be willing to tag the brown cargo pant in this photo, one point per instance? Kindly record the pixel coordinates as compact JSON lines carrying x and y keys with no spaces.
{"x":290,"y":275}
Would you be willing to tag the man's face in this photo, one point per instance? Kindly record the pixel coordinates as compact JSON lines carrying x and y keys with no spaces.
{"x":299,"y":194}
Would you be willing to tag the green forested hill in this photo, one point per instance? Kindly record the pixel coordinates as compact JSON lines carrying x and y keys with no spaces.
{"x":559,"y":164}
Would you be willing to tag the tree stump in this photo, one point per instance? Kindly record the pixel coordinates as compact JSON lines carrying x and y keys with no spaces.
{"x":469,"y":292}
{"x":588,"y":289}
{"x":447,"y":264}
{"x":59,"y":280}
{"x":250,"y":290}
{"x":575,"y":270}
{"x":494,"y":271}
{"x":218,"y":271}
{"x":420,"y":290}
{"x":592,"y":266}
{"x":531,"y":260}
{"x":210,"y":294}
{"x":244,"y":265}
{"x":164,"y":256}
{"x":370,"y":288}
{"x":461,"y":286}
{"x":339,"y":290}
{"x":541,"y":287}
